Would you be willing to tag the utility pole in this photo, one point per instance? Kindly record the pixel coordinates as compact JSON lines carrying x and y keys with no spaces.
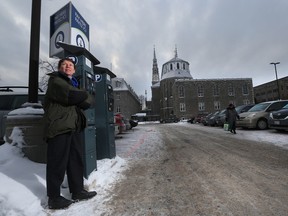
{"x":277,"y":82}
{"x":34,"y":51}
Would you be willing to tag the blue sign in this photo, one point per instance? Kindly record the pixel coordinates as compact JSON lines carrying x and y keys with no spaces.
{"x":79,"y":22}
{"x":73,"y":58}
{"x":57,"y":19}
{"x":98,"y":77}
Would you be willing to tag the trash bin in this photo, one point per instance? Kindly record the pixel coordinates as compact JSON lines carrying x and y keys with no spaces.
{"x":30,"y":121}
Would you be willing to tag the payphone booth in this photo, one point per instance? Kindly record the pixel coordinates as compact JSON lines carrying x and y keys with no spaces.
{"x":85,"y":62}
{"x":105,"y":133}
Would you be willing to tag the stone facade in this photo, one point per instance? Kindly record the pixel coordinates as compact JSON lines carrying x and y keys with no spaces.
{"x":202,"y":96}
{"x":126,"y":101}
{"x":269,"y":91}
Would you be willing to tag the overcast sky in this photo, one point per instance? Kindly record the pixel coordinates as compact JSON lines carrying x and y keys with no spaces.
{"x":219,"y":38}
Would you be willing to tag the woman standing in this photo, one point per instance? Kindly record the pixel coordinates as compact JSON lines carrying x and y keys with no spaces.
{"x":65,"y":122}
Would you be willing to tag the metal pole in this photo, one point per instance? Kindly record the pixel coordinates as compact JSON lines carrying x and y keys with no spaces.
{"x":34,"y":51}
{"x":277,"y":82}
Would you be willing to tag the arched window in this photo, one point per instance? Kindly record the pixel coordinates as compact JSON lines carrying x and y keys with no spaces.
{"x":181,"y":91}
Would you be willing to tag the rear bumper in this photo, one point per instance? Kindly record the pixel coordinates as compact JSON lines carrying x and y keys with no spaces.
{"x":278,"y":124}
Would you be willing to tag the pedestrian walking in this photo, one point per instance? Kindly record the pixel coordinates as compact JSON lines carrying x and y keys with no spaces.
{"x":231,"y":116}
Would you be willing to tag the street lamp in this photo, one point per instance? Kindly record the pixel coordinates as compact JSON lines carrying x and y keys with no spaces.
{"x":276,"y":78}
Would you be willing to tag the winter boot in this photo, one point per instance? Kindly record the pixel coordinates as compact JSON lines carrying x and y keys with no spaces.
{"x":83,"y":195}
{"x":58,"y":203}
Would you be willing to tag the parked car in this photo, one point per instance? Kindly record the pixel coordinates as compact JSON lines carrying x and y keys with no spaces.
{"x":221,"y":118}
{"x":257,"y":116}
{"x":212,"y":119}
{"x":12,"y":98}
{"x":170,"y":119}
{"x":205,"y":119}
{"x":133,"y":123}
{"x":199,"y":118}
{"x":279,"y":119}
{"x":127,"y":124}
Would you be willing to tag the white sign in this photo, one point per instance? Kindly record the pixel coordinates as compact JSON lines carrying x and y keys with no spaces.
{"x":68,"y":26}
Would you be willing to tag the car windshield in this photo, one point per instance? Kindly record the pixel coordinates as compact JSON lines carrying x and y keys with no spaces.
{"x":238,"y":108}
{"x":285,"y":107}
{"x":259,"y":107}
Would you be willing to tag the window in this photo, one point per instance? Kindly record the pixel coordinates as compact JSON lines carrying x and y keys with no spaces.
{"x":181,"y":91}
{"x":118,"y":109}
{"x":216,"y":90}
{"x":216,"y":105}
{"x":200,"y":90}
{"x":171,"y":66}
{"x":117,"y":96}
{"x":184,"y":66}
{"x":182,"y":107}
{"x":118,"y":84}
{"x":246,"y":102}
{"x":178,"y":67}
{"x":201,"y":106}
{"x":230,"y":90}
{"x":245,"y":89}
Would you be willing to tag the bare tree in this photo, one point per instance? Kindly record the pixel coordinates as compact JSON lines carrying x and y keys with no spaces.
{"x":45,"y":67}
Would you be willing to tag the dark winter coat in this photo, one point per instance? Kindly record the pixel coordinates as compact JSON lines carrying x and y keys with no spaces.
{"x":63,"y":106}
{"x":231,"y":115}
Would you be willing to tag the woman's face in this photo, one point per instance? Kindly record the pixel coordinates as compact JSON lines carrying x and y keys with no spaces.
{"x":67,"y":67}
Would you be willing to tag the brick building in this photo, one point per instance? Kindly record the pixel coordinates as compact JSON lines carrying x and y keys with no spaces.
{"x":269,"y":91}
{"x":177,"y":93}
{"x":126,"y":101}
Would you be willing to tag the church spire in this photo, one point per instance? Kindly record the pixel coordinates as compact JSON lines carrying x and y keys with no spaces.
{"x":176,"y":54}
{"x":155,"y":72}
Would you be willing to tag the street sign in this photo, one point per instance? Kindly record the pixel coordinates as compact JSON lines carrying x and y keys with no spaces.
{"x":68,"y":26}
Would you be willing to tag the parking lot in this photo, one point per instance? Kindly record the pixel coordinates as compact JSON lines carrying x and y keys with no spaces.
{"x":191,"y":169}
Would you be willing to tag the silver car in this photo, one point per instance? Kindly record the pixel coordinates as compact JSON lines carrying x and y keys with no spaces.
{"x":257,"y":116}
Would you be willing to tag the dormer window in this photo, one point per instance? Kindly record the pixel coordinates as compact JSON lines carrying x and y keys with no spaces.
{"x":118,"y":84}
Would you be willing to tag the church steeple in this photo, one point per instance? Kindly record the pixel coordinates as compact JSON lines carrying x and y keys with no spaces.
{"x":155,"y":72}
{"x":176,"y":53}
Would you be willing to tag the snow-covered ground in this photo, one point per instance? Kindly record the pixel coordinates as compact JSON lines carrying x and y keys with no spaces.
{"x":23,"y":186}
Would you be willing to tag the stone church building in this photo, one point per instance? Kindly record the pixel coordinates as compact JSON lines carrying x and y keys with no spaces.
{"x":177,"y":93}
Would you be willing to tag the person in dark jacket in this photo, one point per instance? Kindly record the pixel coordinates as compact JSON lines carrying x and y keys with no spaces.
{"x":64,"y":120}
{"x":231,"y":116}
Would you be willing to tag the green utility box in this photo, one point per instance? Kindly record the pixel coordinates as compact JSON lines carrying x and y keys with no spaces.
{"x":85,"y":62}
{"x":104,"y":114}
